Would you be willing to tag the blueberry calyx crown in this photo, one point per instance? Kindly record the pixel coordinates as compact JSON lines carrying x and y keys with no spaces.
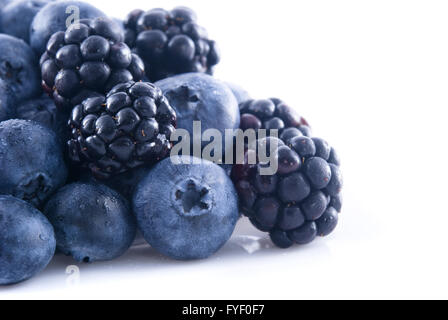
{"x":192,"y":198}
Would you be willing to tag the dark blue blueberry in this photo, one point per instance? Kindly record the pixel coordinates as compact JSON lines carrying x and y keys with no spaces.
{"x":7,"y":102}
{"x":27,"y":241}
{"x":44,"y":111}
{"x":305,"y":234}
{"x":53,"y":18}
{"x":318,"y":172}
{"x":328,"y":222}
{"x":199,"y":97}
{"x":91,"y":222}
{"x":18,"y":68}
{"x":240,"y":94}
{"x":17,"y":16}
{"x":31,"y":162}
{"x":186,"y":211}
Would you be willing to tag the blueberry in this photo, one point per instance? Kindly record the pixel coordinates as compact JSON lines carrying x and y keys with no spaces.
{"x":92,"y":222}
{"x":199,"y":97}
{"x":31,"y":161}
{"x":240,"y":94}
{"x":7,"y":102}
{"x":27,"y":241}
{"x":44,"y":111}
{"x":53,"y":18}
{"x":17,"y":16}
{"x":186,"y":211}
{"x":18,"y":68}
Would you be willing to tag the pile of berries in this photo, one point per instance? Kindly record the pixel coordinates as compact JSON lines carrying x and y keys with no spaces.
{"x":93,"y":119}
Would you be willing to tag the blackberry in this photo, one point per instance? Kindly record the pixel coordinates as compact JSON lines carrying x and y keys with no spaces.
{"x":128,"y":128}
{"x":272,"y":114}
{"x":90,"y":57}
{"x":171,"y":42}
{"x":302,"y":200}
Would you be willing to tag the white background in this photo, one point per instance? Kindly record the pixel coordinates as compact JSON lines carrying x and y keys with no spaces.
{"x":372,"y":78}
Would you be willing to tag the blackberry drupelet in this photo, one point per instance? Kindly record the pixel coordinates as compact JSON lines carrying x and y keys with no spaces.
{"x":88,"y":59}
{"x":171,"y":42}
{"x":129,"y":128}
{"x":272,"y":114}
{"x":302,"y":200}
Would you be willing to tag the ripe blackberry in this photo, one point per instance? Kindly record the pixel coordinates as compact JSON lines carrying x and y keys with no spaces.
{"x":88,"y":58}
{"x":171,"y":42}
{"x":302,"y":200}
{"x":272,"y":114}
{"x":128,"y":128}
